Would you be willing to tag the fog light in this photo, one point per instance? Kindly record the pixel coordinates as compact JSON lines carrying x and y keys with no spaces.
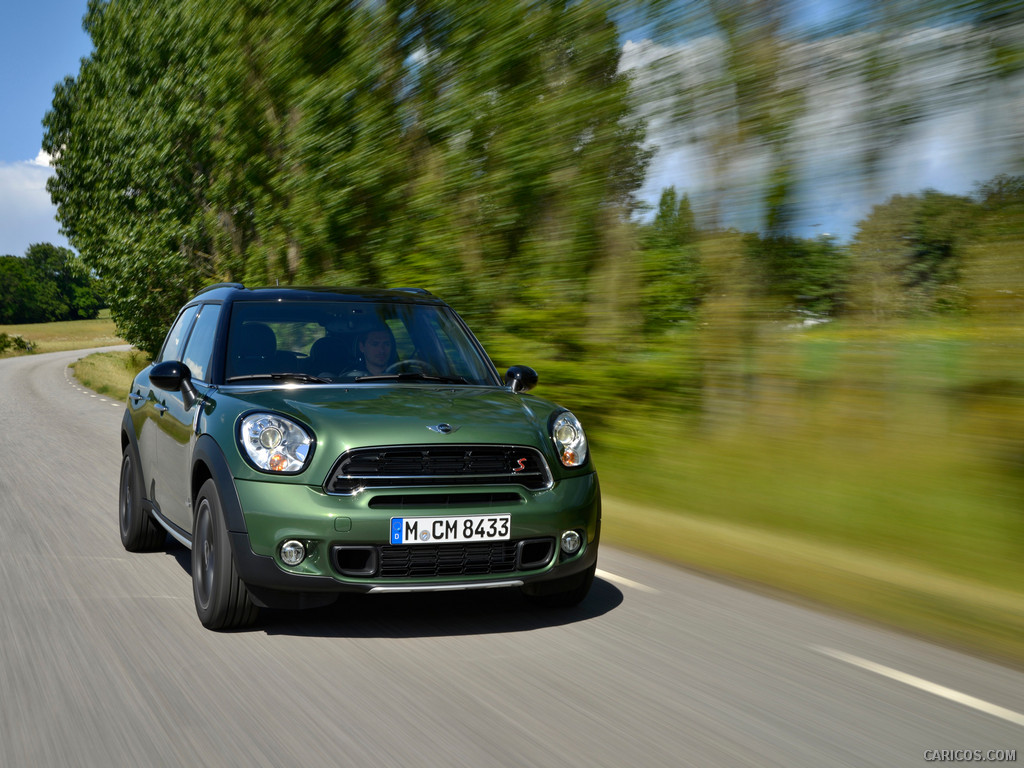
{"x":293,"y":552}
{"x":571,"y":542}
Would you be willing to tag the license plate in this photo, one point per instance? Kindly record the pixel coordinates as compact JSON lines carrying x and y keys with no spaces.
{"x":440,"y":530}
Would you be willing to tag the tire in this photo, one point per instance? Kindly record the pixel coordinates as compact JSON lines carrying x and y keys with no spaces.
{"x":139,"y":531}
{"x":561,"y":593}
{"x":222,"y":601}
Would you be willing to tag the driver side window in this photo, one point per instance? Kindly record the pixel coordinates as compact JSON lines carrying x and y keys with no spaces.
{"x":199,"y":348}
{"x":175,"y":341}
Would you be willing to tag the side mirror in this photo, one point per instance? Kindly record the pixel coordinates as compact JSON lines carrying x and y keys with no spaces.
{"x":521,"y":378}
{"x":175,"y":376}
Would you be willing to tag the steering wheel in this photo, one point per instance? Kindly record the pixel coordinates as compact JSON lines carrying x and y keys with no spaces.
{"x":412,"y":365}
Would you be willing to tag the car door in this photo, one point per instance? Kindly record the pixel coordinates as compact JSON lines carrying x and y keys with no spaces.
{"x":165,"y":430}
{"x":178,"y":424}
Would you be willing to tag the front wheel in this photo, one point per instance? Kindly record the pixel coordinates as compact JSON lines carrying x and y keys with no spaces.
{"x":139,"y":532}
{"x":222,"y":601}
{"x":562,"y":593}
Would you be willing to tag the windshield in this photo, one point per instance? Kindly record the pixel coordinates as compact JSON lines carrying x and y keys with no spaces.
{"x":351,"y":342}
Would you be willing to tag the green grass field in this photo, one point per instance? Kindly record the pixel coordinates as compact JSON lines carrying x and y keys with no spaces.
{"x":73,"y":334}
{"x":875,"y":470}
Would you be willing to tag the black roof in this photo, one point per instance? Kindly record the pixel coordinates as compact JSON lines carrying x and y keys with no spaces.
{"x":239,"y":292}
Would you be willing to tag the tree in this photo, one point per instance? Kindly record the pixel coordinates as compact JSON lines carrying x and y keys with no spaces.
{"x":908,"y":254}
{"x":18,"y":292}
{"x":128,"y":138}
{"x":994,"y":263}
{"x":807,"y":276}
{"x":478,"y":147}
{"x":672,"y":280}
{"x":67,"y":289}
{"x":49,"y":283}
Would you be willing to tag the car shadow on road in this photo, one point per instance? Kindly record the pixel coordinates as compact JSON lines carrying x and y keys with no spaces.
{"x":435,"y":614}
{"x":426,"y":614}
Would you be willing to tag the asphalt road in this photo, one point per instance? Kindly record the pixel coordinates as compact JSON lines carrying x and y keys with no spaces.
{"x":104,"y":663}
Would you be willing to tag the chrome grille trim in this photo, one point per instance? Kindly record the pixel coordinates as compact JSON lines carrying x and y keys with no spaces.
{"x":424,"y":466}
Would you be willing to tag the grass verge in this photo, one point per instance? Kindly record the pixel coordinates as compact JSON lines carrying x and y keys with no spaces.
{"x":110,"y":373}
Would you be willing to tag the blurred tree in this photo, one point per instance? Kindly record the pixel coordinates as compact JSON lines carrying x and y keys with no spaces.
{"x":672,"y":280}
{"x":994,"y":263}
{"x":739,"y":101}
{"x":908,"y":253}
{"x":806,"y":276}
{"x":673,"y":225}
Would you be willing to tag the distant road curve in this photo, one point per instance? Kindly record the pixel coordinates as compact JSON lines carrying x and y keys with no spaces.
{"x":104,"y":663}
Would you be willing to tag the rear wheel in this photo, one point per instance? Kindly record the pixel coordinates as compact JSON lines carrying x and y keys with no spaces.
{"x":139,"y":531}
{"x":561,"y":593}
{"x":222,"y":601}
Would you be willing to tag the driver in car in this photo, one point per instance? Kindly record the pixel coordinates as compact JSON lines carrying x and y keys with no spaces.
{"x":377,"y":351}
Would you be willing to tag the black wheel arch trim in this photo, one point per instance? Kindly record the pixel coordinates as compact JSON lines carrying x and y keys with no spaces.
{"x":128,"y":435}
{"x":209,"y":454}
{"x":130,"y":442}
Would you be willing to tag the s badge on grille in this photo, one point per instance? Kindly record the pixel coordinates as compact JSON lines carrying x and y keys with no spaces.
{"x":444,"y":429}
{"x":521,"y":467}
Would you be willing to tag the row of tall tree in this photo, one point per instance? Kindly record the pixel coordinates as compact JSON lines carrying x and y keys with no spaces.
{"x":48,"y":283}
{"x":485,"y":149}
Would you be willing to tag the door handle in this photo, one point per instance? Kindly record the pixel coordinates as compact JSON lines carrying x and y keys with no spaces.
{"x":135,"y":398}
{"x":161,"y":408}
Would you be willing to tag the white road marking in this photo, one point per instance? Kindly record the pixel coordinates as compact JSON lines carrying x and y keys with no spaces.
{"x":934,"y":688}
{"x":623,"y":581}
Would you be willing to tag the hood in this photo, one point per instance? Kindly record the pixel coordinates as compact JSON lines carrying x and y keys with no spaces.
{"x":352,"y":417}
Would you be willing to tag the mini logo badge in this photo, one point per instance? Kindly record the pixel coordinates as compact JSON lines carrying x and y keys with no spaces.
{"x":444,"y":429}
{"x":521,"y":467}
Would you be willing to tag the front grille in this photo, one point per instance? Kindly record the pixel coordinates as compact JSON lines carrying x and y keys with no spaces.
{"x":477,"y":559}
{"x":431,"y":560}
{"x":436,"y":465}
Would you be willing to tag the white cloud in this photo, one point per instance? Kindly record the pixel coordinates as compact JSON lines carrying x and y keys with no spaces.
{"x":27,"y":215}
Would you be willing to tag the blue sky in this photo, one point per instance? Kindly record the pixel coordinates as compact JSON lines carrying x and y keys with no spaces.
{"x":40,"y":43}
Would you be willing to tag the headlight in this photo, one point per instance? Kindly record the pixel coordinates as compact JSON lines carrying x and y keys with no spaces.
{"x":570,"y":442}
{"x":274,"y":443}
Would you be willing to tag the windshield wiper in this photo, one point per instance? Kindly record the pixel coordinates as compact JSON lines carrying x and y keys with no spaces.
{"x":279,"y":377}
{"x":414,"y":376}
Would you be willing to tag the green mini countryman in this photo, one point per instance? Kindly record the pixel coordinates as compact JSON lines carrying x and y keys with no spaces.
{"x":308,"y":442}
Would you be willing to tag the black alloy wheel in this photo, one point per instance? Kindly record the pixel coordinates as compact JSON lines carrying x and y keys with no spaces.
{"x":139,"y":532}
{"x":222,"y":601}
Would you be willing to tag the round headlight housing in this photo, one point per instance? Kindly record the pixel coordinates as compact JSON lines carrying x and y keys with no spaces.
{"x":274,"y":443}
{"x":569,"y":439}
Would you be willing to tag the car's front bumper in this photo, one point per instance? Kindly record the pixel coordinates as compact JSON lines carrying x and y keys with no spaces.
{"x":276,"y":512}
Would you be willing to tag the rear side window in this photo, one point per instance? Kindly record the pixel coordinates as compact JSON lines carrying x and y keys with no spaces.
{"x":179,"y":332}
{"x":200,"y":343}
